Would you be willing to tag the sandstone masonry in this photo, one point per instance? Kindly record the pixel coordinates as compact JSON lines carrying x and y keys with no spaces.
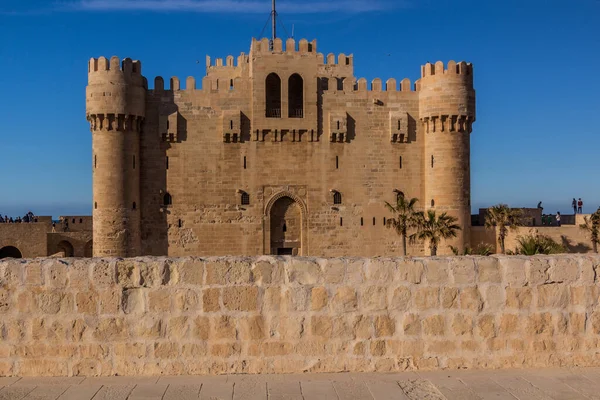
{"x":282,"y":151}
{"x":167,"y":316}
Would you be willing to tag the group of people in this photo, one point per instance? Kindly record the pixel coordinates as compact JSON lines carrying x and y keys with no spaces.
{"x":27,"y":218}
{"x":577,"y":206}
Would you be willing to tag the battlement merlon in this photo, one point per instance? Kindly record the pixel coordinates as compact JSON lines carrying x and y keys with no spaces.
{"x":115,"y":88}
{"x":447,"y":91}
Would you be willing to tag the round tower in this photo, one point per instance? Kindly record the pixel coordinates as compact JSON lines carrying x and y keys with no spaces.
{"x":115,"y":107}
{"x":447,"y":112}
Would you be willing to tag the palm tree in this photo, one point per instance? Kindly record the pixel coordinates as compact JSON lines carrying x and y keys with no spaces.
{"x":504,"y":218}
{"x":592,"y":227}
{"x":404,"y":217}
{"x":435,"y":228}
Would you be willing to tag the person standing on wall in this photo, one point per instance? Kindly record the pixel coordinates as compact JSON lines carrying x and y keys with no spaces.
{"x":558,"y":218}
{"x":580,"y":206}
{"x":574,"y":205}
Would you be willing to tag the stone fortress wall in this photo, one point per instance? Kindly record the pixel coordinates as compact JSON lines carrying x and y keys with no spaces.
{"x":169,"y":316}
{"x":287,"y":129}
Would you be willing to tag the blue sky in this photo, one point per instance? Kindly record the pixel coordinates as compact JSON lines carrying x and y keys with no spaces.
{"x":537,"y":75}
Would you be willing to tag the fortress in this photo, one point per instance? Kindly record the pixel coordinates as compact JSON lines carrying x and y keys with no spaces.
{"x":282,"y":151}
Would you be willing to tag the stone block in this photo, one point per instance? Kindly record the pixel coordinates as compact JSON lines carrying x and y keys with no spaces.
{"x":494,"y":298}
{"x":319,"y":298}
{"x":509,"y":324}
{"x":378,"y":348}
{"x":128,"y":273}
{"x":186,"y":300}
{"x":577,"y":323}
{"x":463,"y":270}
{"x":450,"y":297}
{"x":564,"y":269}
{"x":211,"y":300}
{"x":401,"y":298}
{"x":194,"y":350}
{"x":55,"y":301}
{"x":252,"y":328}
{"x":538,"y":271}
{"x":486,"y":326}
{"x":514,"y":270}
{"x":103,"y":273}
{"x":133,"y":301}
{"x":130,"y":350}
{"x":540,"y":324}
{"x":154,"y":273}
{"x":436,"y":271}
{"x":272,"y":301}
{"x":410,"y":271}
{"x":412,"y":324}
{"x":79,"y":274}
{"x":384,"y":326}
{"x":489,"y":270}
{"x":201,"y":328}
{"x":223,"y":327}
{"x":554,"y":295}
{"x":363,"y":327}
{"x":519,"y":298}
{"x":166,"y":350}
{"x":427,"y":298}
{"x":159,"y":300}
{"x":34,"y":275}
{"x":462,"y":325}
{"x":434,"y":325}
{"x":110,"y":330}
{"x":380,"y":270}
{"x":274,"y":349}
{"x":373,"y":298}
{"x":56,"y":274}
{"x":470,"y":299}
{"x":6,"y":301}
{"x":225,"y":350}
{"x":441,"y":347}
{"x":42,"y":367}
{"x":190,"y":271}
{"x":11,"y":273}
{"x":303,"y":272}
{"x":87,"y":302}
{"x":178,"y":327}
{"x":227,"y":272}
{"x":344,"y":300}
{"x":334,"y":271}
{"x":149,"y":327}
{"x":109,"y":301}
{"x":321,"y":326}
{"x":262,"y":273}
{"x":355,"y":272}
{"x":240,"y":298}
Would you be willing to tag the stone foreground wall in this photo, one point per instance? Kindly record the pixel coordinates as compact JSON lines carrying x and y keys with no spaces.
{"x":159,"y":316}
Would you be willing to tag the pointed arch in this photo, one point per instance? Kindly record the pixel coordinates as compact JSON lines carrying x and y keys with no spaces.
{"x":296,"y":96}
{"x":273,"y":96}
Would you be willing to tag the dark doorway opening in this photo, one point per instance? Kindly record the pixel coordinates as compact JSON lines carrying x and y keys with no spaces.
{"x":285,"y":252}
{"x":10,"y":252}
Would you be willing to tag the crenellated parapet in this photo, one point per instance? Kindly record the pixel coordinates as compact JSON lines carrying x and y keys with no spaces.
{"x":265,"y":46}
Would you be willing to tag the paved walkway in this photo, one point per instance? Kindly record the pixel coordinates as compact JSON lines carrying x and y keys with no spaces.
{"x":464,"y":385}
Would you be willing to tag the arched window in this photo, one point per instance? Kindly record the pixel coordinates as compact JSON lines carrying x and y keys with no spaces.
{"x":167,"y":199}
{"x":337,"y":197}
{"x":273,"y":96}
{"x":134,"y":206}
{"x":296,"y":96}
{"x":245,"y":199}
{"x":432,"y":203}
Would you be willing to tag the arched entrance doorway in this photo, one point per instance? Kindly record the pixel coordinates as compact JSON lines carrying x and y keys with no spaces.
{"x":286,"y":227}
{"x":66,"y":249}
{"x":10,"y":252}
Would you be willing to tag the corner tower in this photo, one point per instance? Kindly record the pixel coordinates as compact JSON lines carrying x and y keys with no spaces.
{"x":447,"y":112}
{"x":115,"y":107}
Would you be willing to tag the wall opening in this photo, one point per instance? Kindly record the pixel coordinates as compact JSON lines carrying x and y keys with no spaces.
{"x":374,"y":221}
{"x":231,"y":84}
{"x":432,"y":203}
{"x":285,"y":226}
{"x":95,"y":161}
{"x":167,"y":163}
{"x":134,"y":206}
{"x":167,"y":199}
{"x":432,"y":160}
{"x":295,"y":96}
{"x":88,"y":251}
{"x":95,"y":206}
{"x":66,"y":248}
{"x":245,"y":199}
{"x":400,"y":162}
{"x":341,"y":221}
{"x":81,"y":220}
{"x":337,"y":198}
{"x":362,"y":221}
{"x":337,"y":162}
{"x":245,"y":165}
{"x":10,"y":252}
{"x":273,"y":96}
{"x":180,"y":223}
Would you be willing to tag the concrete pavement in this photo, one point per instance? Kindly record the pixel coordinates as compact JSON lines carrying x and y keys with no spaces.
{"x":543,"y":384}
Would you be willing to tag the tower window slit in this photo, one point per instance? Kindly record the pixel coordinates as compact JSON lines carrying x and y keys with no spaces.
{"x":284,"y":227}
{"x":374,"y":221}
{"x":231,"y":84}
{"x":95,"y":161}
{"x":245,"y":162}
{"x":133,"y":162}
{"x":231,"y":124}
{"x":341,"y":221}
{"x":167,"y":163}
{"x":95,"y":206}
{"x":337,"y":162}
{"x":384,"y":221}
{"x":432,"y":160}
{"x":432,"y":203}
{"x":400,"y":162}
{"x":134,"y":206}
{"x":362,"y":221}
{"x":180,"y":223}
